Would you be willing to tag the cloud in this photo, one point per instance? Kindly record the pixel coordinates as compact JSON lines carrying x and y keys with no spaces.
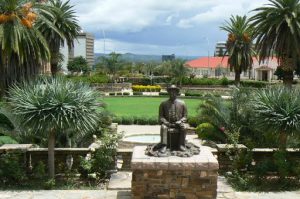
{"x":221,"y":11}
{"x":112,"y":45}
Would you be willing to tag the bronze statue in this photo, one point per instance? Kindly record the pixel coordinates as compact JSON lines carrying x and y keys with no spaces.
{"x":173,"y":120}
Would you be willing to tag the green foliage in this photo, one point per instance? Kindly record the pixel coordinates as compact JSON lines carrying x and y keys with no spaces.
{"x":207,"y":131}
{"x":103,"y":159}
{"x":85,"y":167}
{"x":11,"y":169}
{"x":7,"y":140}
{"x":239,"y":45}
{"x":49,"y":184}
{"x":205,"y":81}
{"x":279,"y":73}
{"x":78,"y":64}
{"x":94,"y":79}
{"x":277,"y":110}
{"x":39,"y":170}
{"x":254,"y":84}
{"x":137,"y":93}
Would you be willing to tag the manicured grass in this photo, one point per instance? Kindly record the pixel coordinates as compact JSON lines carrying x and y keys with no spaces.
{"x":143,"y":106}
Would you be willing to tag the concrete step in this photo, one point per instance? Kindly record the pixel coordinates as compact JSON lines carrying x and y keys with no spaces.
{"x":120,"y":181}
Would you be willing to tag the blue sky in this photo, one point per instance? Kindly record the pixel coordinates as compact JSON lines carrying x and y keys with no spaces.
{"x":182,"y":27}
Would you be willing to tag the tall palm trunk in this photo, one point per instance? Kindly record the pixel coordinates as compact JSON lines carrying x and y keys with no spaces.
{"x":282,"y":141}
{"x":51,"y":148}
{"x":237,"y":78}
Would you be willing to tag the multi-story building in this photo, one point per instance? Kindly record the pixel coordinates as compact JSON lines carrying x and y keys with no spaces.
{"x":83,"y":46}
{"x":220,"y":49}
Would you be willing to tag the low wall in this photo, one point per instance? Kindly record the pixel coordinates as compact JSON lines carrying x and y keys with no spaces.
{"x":112,"y":87}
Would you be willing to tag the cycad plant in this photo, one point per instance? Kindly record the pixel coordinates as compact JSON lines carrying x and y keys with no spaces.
{"x":277,"y":33}
{"x":239,"y":45}
{"x":277,"y":110}
{"x":52,"y":106}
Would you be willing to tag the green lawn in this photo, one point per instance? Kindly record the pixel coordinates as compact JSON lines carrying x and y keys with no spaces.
{"x":143,"y":106}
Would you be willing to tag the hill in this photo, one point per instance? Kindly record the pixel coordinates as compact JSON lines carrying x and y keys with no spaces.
{"x":130,"y":57}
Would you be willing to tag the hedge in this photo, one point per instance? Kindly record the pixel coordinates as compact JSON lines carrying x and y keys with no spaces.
{"x":94,"y":79}
{"x":148,"y":88}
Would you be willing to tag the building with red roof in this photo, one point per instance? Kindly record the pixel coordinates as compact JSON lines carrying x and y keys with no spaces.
{"x":218,"y":67}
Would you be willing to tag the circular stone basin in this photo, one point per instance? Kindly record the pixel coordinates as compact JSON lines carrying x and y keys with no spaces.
{"x":146,"y":139}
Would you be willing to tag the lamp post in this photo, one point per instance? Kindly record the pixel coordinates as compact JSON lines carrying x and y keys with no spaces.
{"x":208,"y":64}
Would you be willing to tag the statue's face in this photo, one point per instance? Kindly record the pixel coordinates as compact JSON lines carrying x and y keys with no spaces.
{"x":173,"y":94}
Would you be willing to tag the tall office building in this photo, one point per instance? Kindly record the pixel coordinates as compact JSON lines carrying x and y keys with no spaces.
{"x":83,"y":46}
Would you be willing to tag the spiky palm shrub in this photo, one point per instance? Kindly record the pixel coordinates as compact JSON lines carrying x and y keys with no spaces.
{"x":51,"y":106}
{"x":277,"y":33}
{"x":277,"y":110}
{"x":239,"y":45}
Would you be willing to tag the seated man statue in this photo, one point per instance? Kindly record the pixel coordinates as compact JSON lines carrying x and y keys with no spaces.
{"x":173,"y":118}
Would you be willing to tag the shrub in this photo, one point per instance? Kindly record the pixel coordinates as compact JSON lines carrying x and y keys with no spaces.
{"x":224,"y":81}
{"x":119,"y":93}
{"x":126,"y":93}
{"x":11,"y":171}
{"x":207,"y":131}
{"x":104,"y":157}
{"x":94,"y":79}
{"x":153,"y":121}
{"x":193,"y":94}
{"x":111,"y":94}
{"x":163,"y":93}
{"x":193,"y":121}
{"x":255,"y":84}
{"x":127,"y":120}
{"x":137,"y":93}
{"x":78,"y":64}
{"x":148,"y":88}
{"x":39,"y":170}
{"x":7,"y":140}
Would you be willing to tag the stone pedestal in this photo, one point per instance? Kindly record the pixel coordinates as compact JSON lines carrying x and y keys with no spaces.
{"x":174,"y":177}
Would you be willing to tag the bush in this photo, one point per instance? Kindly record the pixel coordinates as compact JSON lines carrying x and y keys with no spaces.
{"x":39,"y":170}
{"x":255,"y":84}
{"x":7,"y":140}
{"x":193,"y":94}
{"x":104,"y":158}
{"x":119,"y":93}
{"x":126,"y":93}
{"x":127,"y":120}
{"x":207,"y":131}
{"x":111,"y":94}
{"x":137,"y":93}
{"x":148,"y":88}
{"x":11,"y":171}
{"x":94,"y":79}
{"x":193,"y":121}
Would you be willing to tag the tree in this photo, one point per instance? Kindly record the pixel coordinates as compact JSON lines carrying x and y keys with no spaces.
{"x":112,"y":63}
{"x":277,"y":33}
{"x":277,"y":110}
{"x":239,"y":45}
{"x":179,"y":70}
{"x":63,"y":27}
{"x":23,"y":47}
{"x":52,"y":106}
{"x":78,"y":64}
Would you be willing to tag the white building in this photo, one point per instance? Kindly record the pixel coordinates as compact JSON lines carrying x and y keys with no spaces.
{"x":83,"y":46}
{"x":217,"y":67}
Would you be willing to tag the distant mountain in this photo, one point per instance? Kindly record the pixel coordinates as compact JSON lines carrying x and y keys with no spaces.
{"x":129,"y":57}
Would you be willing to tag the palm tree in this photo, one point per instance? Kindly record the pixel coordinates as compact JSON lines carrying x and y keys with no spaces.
{"x":277,"y":33}
{"x":179,"y":70}
{"x":52,"y":106}
{"x":63,"y":27}
{"x":112,"y":63}
{"x":23,"y":48}
{"x":239,"y":45}
{"x":277,"y":110}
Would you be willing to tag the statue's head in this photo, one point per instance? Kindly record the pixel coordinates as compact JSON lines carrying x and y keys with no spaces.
{"x":173,"y":91}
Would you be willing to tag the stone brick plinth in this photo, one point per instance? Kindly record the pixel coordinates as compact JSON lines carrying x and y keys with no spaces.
{"x":173,"y":177}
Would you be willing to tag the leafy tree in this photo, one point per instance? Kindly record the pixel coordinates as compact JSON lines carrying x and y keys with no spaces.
{"x":277,"y":32}
{"x":277,"y":110}
{"x":23,"y":47}
{"x":112,"y":63}
{"x":52,"y":106}
{"x":63,"y":27}
{"x":78,"y":64}
{"x":179,"y":71}
{"x":239,"y":45}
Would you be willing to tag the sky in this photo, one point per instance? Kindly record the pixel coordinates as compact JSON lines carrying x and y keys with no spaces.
{"x":156,"y":27}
